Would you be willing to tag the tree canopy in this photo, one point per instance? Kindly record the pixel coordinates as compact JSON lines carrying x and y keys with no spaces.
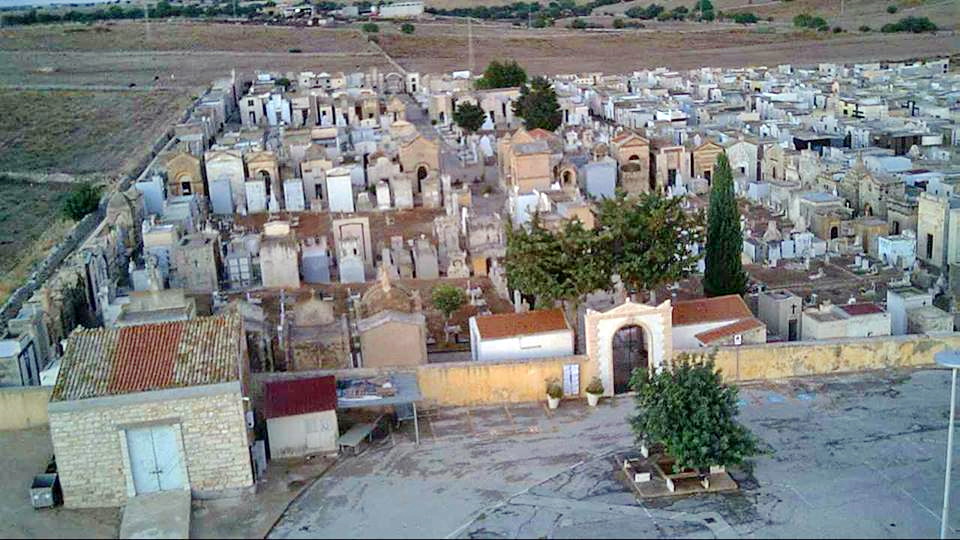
{"x":506,"y":74}
{"x":692,"y":413}
{"x":648,"y":238}
{"x":645,"y":240}
{"x":553,"y":266}
{"x":538,"y":105}
{"x":469,"y":116}
{"x":448,"y":298}
{"x":724,"y":271}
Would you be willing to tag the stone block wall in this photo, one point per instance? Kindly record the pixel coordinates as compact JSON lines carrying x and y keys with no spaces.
{"x":89,"y":445}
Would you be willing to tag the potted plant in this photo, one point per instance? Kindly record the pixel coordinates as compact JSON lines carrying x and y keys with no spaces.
{"x":554,"y":393}
{"x":594,"y":391}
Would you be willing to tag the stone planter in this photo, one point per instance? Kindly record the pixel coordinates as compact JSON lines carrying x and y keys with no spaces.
{"x":553,"y":402}
{"x":593,"y":399}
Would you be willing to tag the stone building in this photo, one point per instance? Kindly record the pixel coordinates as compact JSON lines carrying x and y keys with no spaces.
{"x":317,"y":336}
{"x":150,"y":408}
{"x":195,"y":262}
{"x":420,"y":156}
{"x":393,"y":329}
{"x":184,"y":174}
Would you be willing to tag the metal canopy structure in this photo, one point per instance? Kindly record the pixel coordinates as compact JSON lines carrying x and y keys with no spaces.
{"x":407,"y":394}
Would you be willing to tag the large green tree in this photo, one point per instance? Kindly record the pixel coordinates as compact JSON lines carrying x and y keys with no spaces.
{"x":692,"y":413}
{"x":505,"y":74}
{"x":724,"y":271}
{"x":647,"y":238}
{"x":469,"y":116}
{"x":538,"y":105}
{"x":562,"y":265}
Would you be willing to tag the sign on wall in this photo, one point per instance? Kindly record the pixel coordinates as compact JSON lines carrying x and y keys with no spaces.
{"x":571,"y":379}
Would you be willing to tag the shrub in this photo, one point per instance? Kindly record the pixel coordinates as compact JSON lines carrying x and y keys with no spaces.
{"x":83,"y":200}
{"x":837,"y":29}
{"x":407,"y":28}
{"x":578,"y":24}
{"x":864,"y":28}
{"x":693,"y":413}
{"x":554,"y":389}
{"x":745,"y":18}
{"x":370,"y":28}
{"x":891,"y":9}
{"x":809,"y":21}
{"x":296,"y":50}
{"x":652,"y":11}
{"x":618,"y":23}
{"x":910,"y":24}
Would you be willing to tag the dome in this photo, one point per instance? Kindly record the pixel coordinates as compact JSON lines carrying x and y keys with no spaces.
{"x":313,"y":312}
{"x":385,"y":296}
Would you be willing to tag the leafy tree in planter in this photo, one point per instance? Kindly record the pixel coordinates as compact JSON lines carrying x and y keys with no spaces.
{"x":538,"y":105}
{"x":82,"y":201}
{"x":469,"y":116}
{"x":647,"y":239}
{"x":692,"y":413}
{"x":724,"y":271}
{"x":562,"y":266}
{"x":448,"y":299}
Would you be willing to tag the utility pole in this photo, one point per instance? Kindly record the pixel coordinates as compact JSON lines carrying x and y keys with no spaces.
{"x":146,"y":16}
{"x":470,"y":43}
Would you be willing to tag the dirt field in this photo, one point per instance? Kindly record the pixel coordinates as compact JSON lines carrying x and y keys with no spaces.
{"x":81,"y":132}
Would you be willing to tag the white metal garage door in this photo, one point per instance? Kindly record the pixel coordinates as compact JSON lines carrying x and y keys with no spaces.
{"x":155,"y":459}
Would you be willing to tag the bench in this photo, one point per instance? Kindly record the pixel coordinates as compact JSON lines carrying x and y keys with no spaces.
{"x":355,"y":435}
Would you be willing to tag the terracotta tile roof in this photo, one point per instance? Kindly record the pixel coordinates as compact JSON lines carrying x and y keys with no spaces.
{"x":299,"y":396}
{"x":703,"y":310}
{"x":863,"y":308}
{"x":521,"y":324}
{"x":738,"y":327}
{"x":106,"y":362}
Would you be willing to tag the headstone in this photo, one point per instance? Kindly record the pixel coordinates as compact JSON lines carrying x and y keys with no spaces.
{"x":221,"y":197}
{"x":256,"y":193}
{"x":293,"y":198}
{"x":383,"y":196}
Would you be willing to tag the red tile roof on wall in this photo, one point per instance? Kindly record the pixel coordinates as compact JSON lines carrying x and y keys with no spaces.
{"x":506,"y":325}
{"x":739,"y":327}
{"x":863,"y":308}
{"x":106,"y":362}
{"x":300,"y":396}
{"x":704,"y":310}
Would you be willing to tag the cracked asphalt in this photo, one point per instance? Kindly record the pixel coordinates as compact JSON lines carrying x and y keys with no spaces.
{"x":844,"y":456}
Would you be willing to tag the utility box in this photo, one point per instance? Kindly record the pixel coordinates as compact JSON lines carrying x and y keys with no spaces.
{"x":45,"y":490}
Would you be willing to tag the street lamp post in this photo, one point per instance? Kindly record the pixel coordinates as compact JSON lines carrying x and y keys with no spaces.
{"x":949,"y":359}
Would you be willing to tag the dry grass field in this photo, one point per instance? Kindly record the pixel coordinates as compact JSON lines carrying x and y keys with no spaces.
{"x":82,"y":132}
{"x":30,"y":224}
{"x":182,"y":36}
{"x":559,"y":50}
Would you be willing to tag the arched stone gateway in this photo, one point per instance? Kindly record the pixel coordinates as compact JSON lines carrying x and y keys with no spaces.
{"x":628,"y":336}
{"x":629,"y":353}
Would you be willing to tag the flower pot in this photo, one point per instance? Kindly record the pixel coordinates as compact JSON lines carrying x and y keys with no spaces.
{"x":553,"y":402}
{"x":593,"y":399}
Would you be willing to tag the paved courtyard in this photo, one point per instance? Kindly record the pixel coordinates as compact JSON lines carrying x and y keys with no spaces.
{"x":849,"y":456}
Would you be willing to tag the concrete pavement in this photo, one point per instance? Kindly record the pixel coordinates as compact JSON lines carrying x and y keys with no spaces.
{"x":856,"y":455}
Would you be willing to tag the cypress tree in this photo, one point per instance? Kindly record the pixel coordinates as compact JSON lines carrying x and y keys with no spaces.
{"x":724,"y":272}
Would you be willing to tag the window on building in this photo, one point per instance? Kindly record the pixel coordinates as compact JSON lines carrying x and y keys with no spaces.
{"x":929,"y":246}
{"x":185,"y":188}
